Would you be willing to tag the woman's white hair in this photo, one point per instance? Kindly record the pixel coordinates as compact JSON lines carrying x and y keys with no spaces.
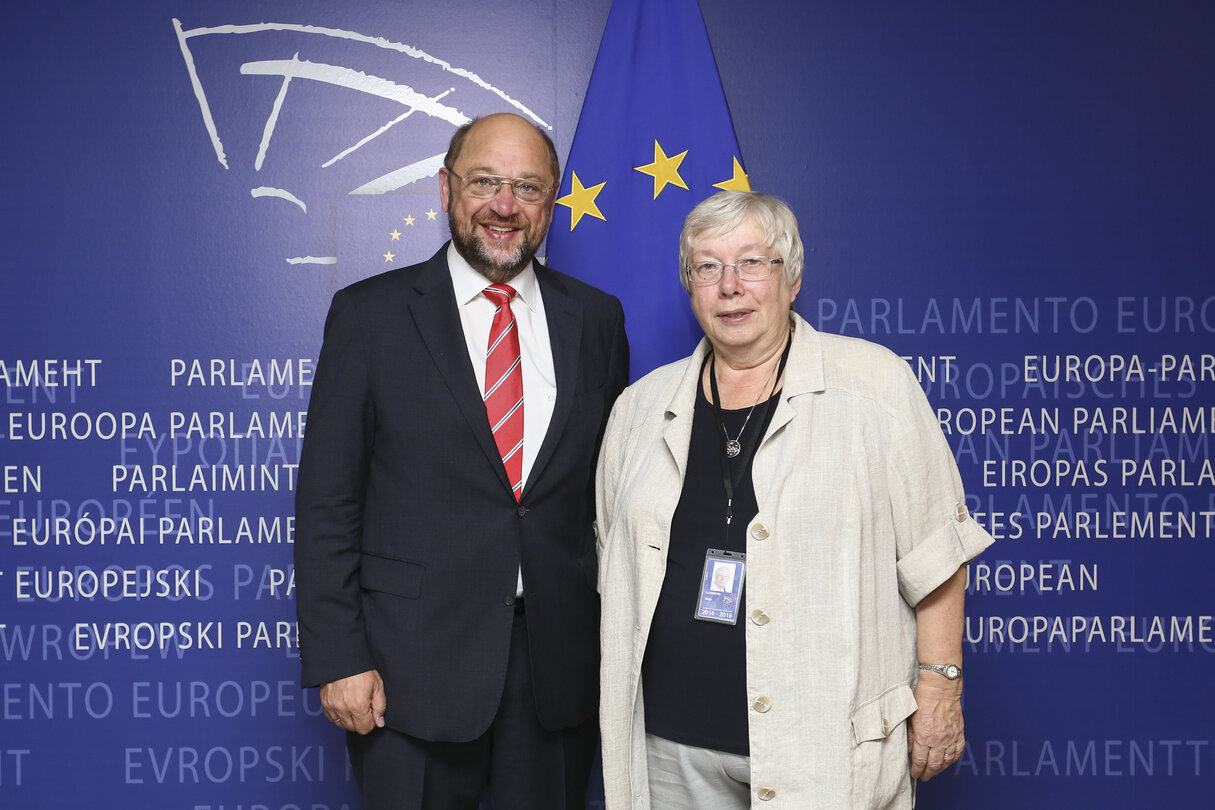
{"x":727,"y":210}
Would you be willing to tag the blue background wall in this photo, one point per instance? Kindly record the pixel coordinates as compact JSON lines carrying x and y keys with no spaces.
{"x":978,"y":184}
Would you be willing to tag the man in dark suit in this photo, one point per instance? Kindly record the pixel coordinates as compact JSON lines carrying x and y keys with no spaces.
{"x":445,"y":566}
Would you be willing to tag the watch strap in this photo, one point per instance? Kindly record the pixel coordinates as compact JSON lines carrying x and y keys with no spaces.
{"x":950,"y":671}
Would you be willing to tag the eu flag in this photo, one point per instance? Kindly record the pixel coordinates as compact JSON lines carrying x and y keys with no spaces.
{"x":654,"y":139}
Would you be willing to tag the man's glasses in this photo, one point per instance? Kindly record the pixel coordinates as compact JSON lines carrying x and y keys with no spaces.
{"x":486,"y":186}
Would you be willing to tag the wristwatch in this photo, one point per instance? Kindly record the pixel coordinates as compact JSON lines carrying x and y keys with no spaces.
{"x":950,"y":671}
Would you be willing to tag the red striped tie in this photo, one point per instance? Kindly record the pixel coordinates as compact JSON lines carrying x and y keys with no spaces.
{"x":504,"y":385}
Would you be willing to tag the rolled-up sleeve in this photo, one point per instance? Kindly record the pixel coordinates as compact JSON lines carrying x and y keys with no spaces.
{"x":936,"y":535}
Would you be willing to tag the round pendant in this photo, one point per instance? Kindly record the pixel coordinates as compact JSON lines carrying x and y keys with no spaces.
{"x":733,"y":448}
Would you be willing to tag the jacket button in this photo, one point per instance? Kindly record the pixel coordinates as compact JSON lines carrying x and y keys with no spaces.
{"x":885,"y":727}
{"x":522,"y":511}
{"x":759,"y":616}
{"x":766,"y":794}
{"x":759,"y":531}
{"x":508,"y":601}
{"x":960,"y":514}
{"x":762,"y":704}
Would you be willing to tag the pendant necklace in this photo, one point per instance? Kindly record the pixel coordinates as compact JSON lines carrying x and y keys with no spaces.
{"x":734,"y":446}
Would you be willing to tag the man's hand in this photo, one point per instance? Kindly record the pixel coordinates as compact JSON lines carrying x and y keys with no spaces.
{"x":356,"y":703}
{"x":935,"y":735}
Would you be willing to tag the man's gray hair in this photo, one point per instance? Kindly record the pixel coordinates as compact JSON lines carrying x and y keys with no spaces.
{"x":727,"y":210}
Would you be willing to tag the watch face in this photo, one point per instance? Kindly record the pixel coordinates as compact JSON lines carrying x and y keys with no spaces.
{"x":951,"y":672}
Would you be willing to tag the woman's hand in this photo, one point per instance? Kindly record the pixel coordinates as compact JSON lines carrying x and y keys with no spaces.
{"x":935,"y":735}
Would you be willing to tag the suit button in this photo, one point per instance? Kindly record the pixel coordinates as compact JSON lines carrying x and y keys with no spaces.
{"x":759,"y":531}
{"x":885,"y":727}
{"x":522,"y":511}
{"x":508,"y":601}
{"x":760,"y":616}
{"x":766,"y":794}
{"x":762,"y":704}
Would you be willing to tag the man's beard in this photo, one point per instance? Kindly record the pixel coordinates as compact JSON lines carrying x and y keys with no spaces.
{"x":475,"y":253}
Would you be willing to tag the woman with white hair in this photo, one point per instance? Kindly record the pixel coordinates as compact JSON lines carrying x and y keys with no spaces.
{"x":810,"y":469}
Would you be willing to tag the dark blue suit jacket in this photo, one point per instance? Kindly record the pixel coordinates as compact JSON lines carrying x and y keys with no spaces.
{"x":408,"y":539}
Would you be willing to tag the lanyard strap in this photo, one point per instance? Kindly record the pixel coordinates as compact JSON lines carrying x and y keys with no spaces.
{"x":729,"y":481}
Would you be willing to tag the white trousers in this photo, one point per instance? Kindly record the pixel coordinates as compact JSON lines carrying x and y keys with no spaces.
{"x":684,"y":777}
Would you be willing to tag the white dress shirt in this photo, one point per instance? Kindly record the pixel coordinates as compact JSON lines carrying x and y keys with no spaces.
{"x":539,"y":378}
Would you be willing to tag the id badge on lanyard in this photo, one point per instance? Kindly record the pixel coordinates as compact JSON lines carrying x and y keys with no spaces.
{"x":721,"y":586}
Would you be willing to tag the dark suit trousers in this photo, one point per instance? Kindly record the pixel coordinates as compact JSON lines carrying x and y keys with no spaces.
{"x":525,"y":766}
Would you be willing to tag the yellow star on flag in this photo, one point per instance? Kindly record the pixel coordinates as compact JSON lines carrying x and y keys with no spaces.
{"x":409,"y":220}
{"x":664,"y":170}
{"x":739,"y":182}
{"x":431,"y":214}
{"x":389,"y":256}
{"x":581,"y":201}
{"x":395,"y":234}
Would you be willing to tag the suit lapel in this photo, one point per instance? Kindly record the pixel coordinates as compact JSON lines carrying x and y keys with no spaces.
{"x":434,"y":309}
{"x":564,"y":316}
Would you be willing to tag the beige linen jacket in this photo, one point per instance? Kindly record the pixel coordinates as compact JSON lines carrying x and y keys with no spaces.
{"x":861,"y":515}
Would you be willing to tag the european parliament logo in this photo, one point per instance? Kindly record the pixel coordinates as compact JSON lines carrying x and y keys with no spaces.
{"x":341,"y":130}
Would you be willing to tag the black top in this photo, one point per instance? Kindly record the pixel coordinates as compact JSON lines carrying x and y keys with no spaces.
{"x":694,"y":674}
